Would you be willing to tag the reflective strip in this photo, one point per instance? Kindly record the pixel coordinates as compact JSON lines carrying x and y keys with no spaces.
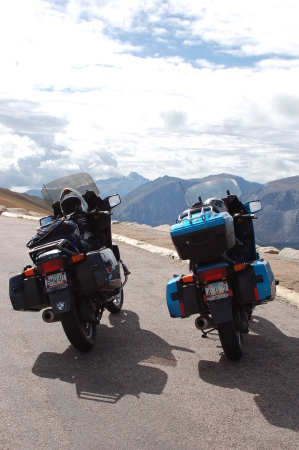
{"x":256,"y":294}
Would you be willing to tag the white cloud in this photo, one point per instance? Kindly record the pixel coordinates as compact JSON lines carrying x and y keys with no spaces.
{"x":83,"y":88}
{"x":249,"y":27}
{"x":14,"y":149}
{"x":278,"y":63}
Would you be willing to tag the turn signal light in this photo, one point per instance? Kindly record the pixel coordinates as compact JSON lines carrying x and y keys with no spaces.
{"x":240,"y":266}
{"x":51,"y":266}
{"x":29,"y":272}
{"x":78,"y":258}
{"x":188,"y":279}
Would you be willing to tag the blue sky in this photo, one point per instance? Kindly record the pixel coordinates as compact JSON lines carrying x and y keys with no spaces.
{"x":184,"y":88}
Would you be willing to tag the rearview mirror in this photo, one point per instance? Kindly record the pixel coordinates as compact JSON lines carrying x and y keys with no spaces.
{"x":114,"y":200}
{"x":254,"y":206}
{"x":46,"y":220}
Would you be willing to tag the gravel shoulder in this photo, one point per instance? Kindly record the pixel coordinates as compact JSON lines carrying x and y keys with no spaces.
{"x":285,"y":265}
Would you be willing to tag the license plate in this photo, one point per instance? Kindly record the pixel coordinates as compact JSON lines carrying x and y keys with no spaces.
{"x":214,"y":291}
{"x":56,"y":281}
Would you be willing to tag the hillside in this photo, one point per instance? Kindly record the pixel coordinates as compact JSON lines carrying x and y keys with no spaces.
{"x":11,"y":199}
{"x":161,"y":201}
{"x":155,"y":203}
{"x":278,"y":222}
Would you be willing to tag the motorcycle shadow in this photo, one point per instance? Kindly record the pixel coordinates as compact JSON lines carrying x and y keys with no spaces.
{"x":269,"y":369}
{"x":117,"y":365}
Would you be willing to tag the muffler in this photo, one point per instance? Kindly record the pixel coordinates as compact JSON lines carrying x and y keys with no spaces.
{"x":49,"y":317}
{"x":204,"y":322}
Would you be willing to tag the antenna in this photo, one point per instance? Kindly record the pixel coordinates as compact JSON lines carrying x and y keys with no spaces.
{"x":188,"y":201}
{"x":48,"y":193}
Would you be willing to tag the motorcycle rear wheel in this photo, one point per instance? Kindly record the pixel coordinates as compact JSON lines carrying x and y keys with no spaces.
{"x":231,"y":340}
{"x":80,"y":334}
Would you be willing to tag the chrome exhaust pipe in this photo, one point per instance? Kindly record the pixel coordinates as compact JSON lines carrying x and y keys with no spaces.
{"x":49,"y":317}
{"x":204,"y":322}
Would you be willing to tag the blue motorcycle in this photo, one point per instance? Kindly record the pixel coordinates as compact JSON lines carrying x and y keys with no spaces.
{"x":227,"y":279}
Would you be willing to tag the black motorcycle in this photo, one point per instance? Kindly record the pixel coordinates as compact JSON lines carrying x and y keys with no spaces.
{"x":77,"y":271}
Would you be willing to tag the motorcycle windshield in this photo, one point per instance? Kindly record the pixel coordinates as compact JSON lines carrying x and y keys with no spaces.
{"x":215,"y":188}
{"x":82,"y":182}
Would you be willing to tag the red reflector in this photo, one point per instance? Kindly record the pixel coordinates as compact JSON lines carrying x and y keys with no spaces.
{"x":182,"y":309}
{"x":212,"y":274}
{"x":51,"y":266}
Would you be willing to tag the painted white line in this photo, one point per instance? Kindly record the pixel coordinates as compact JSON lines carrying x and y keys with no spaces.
{"x":20,"y":216}
{"x":287,"y":294}
{"x":149,"y":247}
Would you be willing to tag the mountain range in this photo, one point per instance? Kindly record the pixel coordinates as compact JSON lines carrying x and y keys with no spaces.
{"x":115,"y":185}
{"x":278,"y":222}
{"x":160,"y":201}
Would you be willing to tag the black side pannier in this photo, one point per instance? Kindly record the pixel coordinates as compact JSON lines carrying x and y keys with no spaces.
{"x":99,"y":271}
{"x":91,"y":274}
{"x":27,"y":293}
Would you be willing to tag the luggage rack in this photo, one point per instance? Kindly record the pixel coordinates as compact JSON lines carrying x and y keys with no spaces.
{"x":61,"y":244}
{"x":202,"y":213}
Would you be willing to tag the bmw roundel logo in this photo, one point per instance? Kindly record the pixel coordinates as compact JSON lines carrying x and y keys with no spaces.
{"x":61,"y":306}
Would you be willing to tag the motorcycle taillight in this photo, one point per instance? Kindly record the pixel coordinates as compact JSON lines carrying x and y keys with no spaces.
{"x":51,"y":266}
{"x":218,"y":273}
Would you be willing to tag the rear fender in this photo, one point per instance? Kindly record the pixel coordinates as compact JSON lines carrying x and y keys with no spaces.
{"x":221,"y":310}
{"x":61,"y":300}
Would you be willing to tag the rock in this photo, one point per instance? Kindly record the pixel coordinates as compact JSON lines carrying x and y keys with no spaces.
{"x":2,"y":209}
{"x":289,"y":253}
{"x":18,"y":211}
{"x":35,"y":214}
{"x":270,"y":250}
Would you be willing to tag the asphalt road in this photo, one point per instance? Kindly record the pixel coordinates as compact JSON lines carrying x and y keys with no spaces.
{"x":151,"y":382}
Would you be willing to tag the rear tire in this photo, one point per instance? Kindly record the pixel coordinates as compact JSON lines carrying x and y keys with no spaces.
{"x":81,"y":335}
{"x":231,"y":340}
{"x":116,"y":305}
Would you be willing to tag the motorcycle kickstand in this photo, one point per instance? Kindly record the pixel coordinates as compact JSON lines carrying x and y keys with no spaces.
{"x":205,"y":333}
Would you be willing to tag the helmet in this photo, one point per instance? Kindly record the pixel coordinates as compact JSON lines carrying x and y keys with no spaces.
{"x":217,"y":204}
{"x":71,"y":201}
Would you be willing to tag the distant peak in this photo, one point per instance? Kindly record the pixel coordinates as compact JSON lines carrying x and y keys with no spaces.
{"x":133,"y":176}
